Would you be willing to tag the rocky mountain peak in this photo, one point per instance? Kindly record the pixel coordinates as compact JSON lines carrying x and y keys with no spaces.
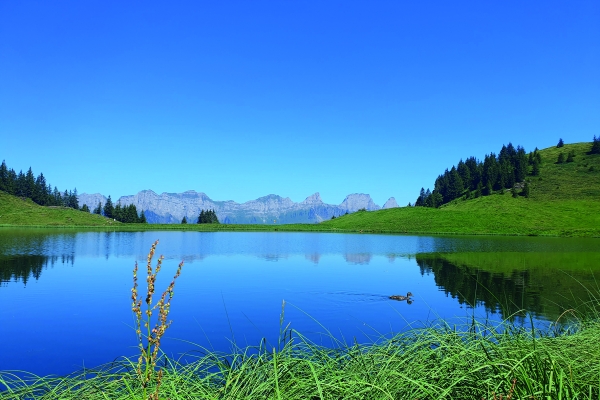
{"x":390,"y":203}
{"x":312,"y":199}
{"x":356,"y":201}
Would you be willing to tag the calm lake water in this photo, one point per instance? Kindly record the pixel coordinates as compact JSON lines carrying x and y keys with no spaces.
{"x":66,"y":295}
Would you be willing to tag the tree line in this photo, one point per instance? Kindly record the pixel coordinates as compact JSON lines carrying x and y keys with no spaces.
{"x":207,"y":217}
{"x":474,"y":178}
{"x":41,"y":192}
{"x":480,"y":178}
{"x":35,"y":188}
{"x":126,"y":214}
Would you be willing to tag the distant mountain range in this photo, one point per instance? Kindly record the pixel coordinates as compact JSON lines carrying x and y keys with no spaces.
{"x":169,"y":208}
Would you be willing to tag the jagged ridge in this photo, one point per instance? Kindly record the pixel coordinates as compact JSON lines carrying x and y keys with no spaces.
{"x":270,"y":209}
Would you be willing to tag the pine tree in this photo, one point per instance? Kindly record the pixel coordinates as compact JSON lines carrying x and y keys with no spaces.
{"x":109,"y":208}
{"x":4,"y":177}
{"x":117,"y":212}
{"x":184,"y":220}
{"x":560,"y":143}
{"x":98,"y":209}
{"x":479,"y":191}
{"x":85,"y":208}
{"x":536,"y":168}
{"x":29,"y":184}
{"x":421,"y":199}
{"x":571,"y":156}
{"x":487,"y":190}
{"x":526,"y":190}
{"x":455,"y":185}
{"x":143,"y":218}
{"x":595,"y":146}
{"x":561,"y":158}
{"x":12,"y":182}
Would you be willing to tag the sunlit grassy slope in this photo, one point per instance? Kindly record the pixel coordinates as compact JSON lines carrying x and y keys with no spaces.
{"x":18,"y":211}
{"x":564,"y":201}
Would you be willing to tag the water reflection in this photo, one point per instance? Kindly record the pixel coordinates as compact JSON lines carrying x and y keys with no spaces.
{"x":22,"y":268}
{"x":235,"y":282}
{"x":541,"y":291}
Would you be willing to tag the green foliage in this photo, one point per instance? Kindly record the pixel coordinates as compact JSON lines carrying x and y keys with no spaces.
{"x":208,"y":217}
{"x":143,"y":218}
{"x":526,"y":190}
{"x":561,"y":158}
{"x":36,"y":189}
{"x":127,"y":214}
{"x":536,"y":168}
{"x":98,"y":209}
{"x":494,"y":173}
{"x":184,"y":220}
{"x":560,"y":143}
{"x":595,"y":146}
{"x":109,"y":208}
{"x":85,"y":208}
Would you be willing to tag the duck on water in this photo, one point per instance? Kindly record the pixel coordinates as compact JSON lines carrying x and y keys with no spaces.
{"x":399,"y":297}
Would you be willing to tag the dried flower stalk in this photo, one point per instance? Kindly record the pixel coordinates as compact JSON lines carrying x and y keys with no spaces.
{"x":149,"y":344}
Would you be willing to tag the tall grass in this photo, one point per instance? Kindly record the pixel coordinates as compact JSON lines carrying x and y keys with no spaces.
{"x":472,"y":360}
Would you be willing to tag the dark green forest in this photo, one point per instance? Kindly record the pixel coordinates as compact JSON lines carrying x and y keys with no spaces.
{"x":208,"y":217}
{"x":26,"y":185}
{"x":35,"y":188}
{"x":474,"y":178}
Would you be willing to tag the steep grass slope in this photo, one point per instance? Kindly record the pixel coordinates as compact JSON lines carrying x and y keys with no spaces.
{"x":564,"y":201}
{"x":18,"y":211}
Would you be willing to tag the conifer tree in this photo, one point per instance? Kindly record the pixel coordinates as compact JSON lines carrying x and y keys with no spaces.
{"x":85,"y":208}
{"x":561,"y":158}
{"x":560,"y":143}
{"x":143,"y":218}
{"x":117,"y":212}
{"x":109,"y":208}
{"x":571,"y":156}
{"x":526,"y":190}
{"x":536,"y":167}
{"x":421,"y":199}
{"x":595,"y":146}
{"x":184,"y":220}
{"x":29,"y":184}
{"x":98,"y":209}
{"x":4,"y":177}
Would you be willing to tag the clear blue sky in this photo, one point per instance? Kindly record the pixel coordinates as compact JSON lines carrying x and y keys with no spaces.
{"x":243,"y":99}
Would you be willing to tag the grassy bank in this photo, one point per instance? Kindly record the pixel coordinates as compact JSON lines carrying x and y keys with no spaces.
{"x":564,"y":201}
{"x":436,"y":362}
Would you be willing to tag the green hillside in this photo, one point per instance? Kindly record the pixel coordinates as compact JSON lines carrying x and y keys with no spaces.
{"x":564,"y":201}
{"x":19,"y":211}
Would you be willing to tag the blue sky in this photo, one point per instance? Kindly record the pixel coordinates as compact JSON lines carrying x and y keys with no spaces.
{"x":243,"y":99}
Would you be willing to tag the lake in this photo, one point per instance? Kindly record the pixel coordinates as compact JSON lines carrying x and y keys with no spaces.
{"x":66,"y":295}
